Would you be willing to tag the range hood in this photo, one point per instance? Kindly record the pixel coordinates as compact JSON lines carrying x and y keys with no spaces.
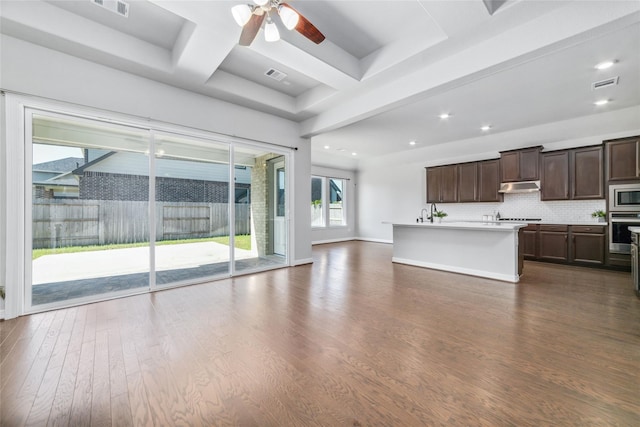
{"x":519,"y":187}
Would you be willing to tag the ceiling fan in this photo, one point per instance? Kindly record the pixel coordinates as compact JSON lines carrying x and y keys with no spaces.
{"x":251,"y":17}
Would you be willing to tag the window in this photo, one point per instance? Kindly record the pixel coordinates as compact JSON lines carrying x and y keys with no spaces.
{"x":336,"y":208}
{"x":317,"y":191}
{"x":327,"y":202}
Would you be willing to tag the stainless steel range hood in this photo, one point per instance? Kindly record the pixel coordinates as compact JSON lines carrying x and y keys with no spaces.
{"x":520,"y":187}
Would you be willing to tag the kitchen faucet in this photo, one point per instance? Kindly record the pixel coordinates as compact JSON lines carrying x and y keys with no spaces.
{"x":434,"y":209}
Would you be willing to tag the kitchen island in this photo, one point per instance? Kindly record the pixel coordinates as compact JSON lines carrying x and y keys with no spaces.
{"x":474,"y":248}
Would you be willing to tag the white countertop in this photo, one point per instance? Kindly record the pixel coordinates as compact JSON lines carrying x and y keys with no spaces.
{"x":569,"y":222}
{"x":464,"y":225}
{"x":593,"y":222}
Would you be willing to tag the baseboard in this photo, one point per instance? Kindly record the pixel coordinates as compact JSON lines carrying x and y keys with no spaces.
{"x":303,"y":261}
{"x":322,"y":242}
{"x":459,"y":270}
{"x":368,"y":239}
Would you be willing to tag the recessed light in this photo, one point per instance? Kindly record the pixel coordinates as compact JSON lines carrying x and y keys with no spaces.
{"x":326,"y":147}
{"x":412,"y":143}
{"x":444,"y":116}
{"x":354,"y":154}
{"x":604,"y":65}
{"x":485,"y":128}
{"x":601,"y":102}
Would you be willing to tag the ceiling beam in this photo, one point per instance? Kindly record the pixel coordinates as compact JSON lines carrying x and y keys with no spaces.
{"x":545,"y":34}
{"x":194,"y":54}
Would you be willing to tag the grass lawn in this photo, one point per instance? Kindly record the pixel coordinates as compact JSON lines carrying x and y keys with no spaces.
{"x":241,"y":242}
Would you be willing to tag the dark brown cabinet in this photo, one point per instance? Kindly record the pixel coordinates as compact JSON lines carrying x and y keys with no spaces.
{"x":554,"y":179}
{"x":575,"y":174}
{"x":489,"y":181}
{"x":588,"y":244}
{"x":442,"y":184}
{"x":479,"y":181}
{"x":572,"y":244}
{"x":434,"y":182}
{"x":530,"y":242}
{"x":553,"y":243}
{"x":520,"y":165}
{"x":587,"y":177}
{"x":622,"y":159}
{"x":468,"y":182}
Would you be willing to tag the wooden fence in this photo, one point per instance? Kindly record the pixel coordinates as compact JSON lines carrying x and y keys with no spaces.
{"x":60,"y":223}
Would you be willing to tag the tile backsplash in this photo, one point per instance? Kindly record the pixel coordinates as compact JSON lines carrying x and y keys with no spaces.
{"x":527,"y":205}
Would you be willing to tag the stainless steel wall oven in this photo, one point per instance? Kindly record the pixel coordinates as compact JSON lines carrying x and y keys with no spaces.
{"x":619,"y":234}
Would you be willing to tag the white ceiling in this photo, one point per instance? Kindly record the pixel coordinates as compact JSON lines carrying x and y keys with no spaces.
{"x":385,"y":72}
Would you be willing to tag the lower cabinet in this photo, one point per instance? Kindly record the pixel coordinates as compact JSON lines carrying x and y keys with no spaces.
{"x":530,"y":242}
{"x":588,"y":244}
{"x":571,"y":244}
{"x":554,"y":243}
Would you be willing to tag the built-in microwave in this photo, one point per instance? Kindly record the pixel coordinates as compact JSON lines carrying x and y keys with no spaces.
{"x":624,"y":198}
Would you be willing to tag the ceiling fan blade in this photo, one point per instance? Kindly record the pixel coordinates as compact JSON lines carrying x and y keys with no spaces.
{"x":250,"y":30}
{"x":306,"y":28}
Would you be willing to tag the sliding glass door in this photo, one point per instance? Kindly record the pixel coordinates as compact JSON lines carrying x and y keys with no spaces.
{"x":117,"y":209}
{"x":191,"y":209}
{"x":89,"y":210}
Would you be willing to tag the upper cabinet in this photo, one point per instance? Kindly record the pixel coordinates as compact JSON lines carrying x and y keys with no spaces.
{"x":572,"y":174}
{"x":489,"y":181}
{"x":554,"y":182}
{"x":622,"y":159}
{"x":466,"y":182}
{"x":442,"y":184}
{"x":520,"y":165}
{"x":587,"y":177}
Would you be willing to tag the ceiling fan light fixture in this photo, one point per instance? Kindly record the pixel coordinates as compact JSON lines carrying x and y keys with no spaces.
{"x":271,"y":33}
{"x":261,"y":2}
{"x":289,"y":17}
{"x":241,"y":13}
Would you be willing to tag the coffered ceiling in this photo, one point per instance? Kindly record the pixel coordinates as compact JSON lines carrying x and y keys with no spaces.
{"x":385,"y":72}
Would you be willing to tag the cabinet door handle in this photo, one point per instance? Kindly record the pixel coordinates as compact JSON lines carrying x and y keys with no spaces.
{"x":637,"y":158}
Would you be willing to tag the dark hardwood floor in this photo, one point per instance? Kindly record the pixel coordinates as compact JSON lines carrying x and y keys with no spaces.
{"x":352,"y":340}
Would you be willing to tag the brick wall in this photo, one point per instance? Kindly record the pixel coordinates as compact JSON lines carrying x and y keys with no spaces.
{"x":260,"y":204}
{"x":108,"y":186}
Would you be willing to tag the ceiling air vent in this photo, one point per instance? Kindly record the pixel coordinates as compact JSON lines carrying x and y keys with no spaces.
{"x":604,"y":83}
{"x":116,"y":6}
{"x":275,"y":74}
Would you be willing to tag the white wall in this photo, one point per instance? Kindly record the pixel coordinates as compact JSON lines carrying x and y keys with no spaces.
{"x":393,"y":188}
{"x":336,"y":234}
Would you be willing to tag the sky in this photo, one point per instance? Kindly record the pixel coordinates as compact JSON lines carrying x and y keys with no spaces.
{"x":47,"y":153}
